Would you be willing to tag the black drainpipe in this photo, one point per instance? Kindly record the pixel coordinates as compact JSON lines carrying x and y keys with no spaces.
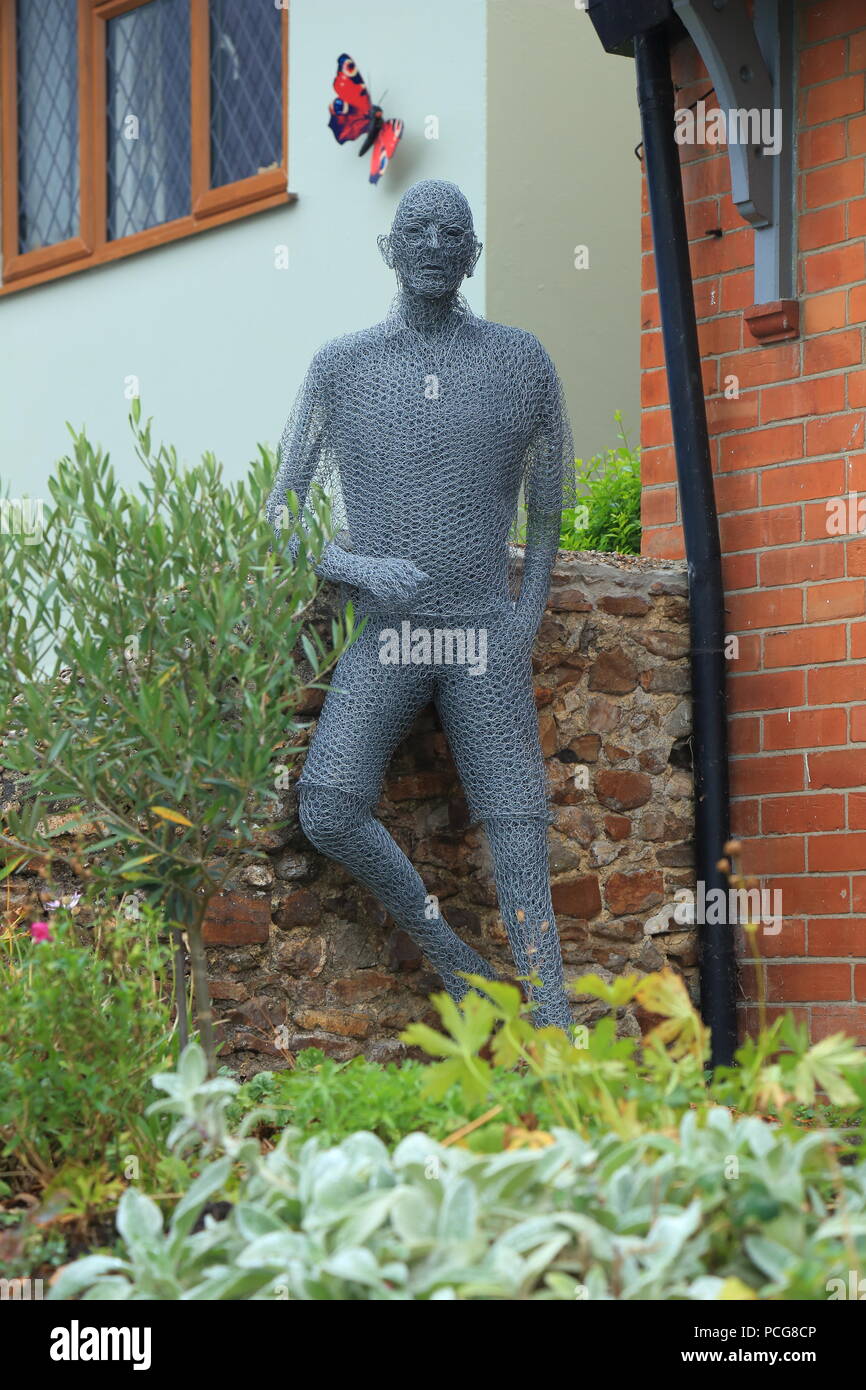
{"x":699,"y":520}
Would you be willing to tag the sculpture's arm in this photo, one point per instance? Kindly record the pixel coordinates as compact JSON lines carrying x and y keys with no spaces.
{"x":303,"y":447}
{"x":548,"y":486}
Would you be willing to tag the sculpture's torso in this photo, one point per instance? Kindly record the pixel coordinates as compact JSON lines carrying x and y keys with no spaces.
{"x":425,"y":450}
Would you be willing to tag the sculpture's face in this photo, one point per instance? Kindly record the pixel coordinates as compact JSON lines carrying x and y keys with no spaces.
{"x":432,"y":240}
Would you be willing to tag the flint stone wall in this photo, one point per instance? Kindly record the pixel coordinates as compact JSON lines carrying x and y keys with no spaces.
{"x":301,"y":956}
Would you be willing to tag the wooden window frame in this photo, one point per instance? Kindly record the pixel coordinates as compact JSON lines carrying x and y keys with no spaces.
{"x":210,"y":207}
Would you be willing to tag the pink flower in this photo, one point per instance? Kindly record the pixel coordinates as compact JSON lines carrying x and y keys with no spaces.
{"x":40,"y":931}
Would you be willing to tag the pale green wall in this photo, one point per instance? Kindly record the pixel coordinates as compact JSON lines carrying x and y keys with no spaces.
{"x":562,"y":124}
{"x":218,"y":337}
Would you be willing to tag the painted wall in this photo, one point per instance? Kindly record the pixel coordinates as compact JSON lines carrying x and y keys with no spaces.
{"x":562,"y":126}
{"x":218,"y":337}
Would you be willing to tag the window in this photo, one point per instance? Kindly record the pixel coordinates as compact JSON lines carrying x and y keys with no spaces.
{"x":129,"y":123}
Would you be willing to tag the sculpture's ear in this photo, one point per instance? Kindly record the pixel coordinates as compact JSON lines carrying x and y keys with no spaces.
{"x":384,"y":243}
{"x":477,"y":248}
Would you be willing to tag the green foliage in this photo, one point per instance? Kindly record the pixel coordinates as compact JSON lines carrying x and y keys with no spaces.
{"x":153,"y":645}
{"x":601,"y":1082}
{"x":608,"y":517}
{"x":83,"y":1024}
{"x":334,"y":1099}
{"x":714,"y":1207}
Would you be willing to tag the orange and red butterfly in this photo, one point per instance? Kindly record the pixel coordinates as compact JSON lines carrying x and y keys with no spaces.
{"x":354,"y":114}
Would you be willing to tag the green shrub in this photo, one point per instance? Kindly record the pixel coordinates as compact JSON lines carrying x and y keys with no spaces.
{"x":608,"y":517}
{"x":656,"y":1216}
{"x":155,"y":644}
{"x":83,"y":1024}
{"x":643,"y":1187}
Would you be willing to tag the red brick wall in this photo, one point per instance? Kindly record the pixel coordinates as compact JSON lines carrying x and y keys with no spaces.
{"x":796,"y":595}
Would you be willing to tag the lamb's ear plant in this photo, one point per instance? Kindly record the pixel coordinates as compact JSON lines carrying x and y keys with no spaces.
{"x":155,"y":645}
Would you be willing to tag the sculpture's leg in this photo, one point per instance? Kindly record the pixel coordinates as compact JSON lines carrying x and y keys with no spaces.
{"x":522,"y":873}
{"x":345,"y":829}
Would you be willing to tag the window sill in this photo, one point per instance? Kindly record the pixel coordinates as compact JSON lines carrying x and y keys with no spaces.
{"x":25,"y":272}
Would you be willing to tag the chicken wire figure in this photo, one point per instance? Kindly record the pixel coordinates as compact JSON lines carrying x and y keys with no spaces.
{"x":425,"y":430}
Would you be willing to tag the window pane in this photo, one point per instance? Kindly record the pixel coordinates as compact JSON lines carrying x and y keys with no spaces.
{"x":147,"y":74}
{"x":47,"y":36}
{"x":246,"y":95}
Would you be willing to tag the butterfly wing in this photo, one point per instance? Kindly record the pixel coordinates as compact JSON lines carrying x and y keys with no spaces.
{"x":383,"y":151}
{"x":351,"y":110}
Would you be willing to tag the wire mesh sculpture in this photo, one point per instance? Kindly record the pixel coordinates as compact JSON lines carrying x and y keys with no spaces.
{"x":426,"y":431}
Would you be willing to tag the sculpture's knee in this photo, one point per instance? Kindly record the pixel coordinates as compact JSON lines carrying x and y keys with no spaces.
{"x":328,"y":817}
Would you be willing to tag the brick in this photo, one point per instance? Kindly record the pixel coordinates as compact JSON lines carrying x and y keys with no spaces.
{"x":658,"y":466}
{"x":823,"y":270}
{"x":744,"y":816}
{"x":658,"y":505}
{"x":786,"y":814}
{"x":813,"y":728}
{"x":832,"y":351}
{"x":836,"y":936}
{"x":823,"y":228}
{"x":856,"y":812}
{"x":837,"y":686}
{"x":821,"y":396}
{"x":857,"y":218}
{"x":764,"y":446}
{"x":781,"y":854}
{"x":766,"y":690}
{"x":707,"y":300}
{"x":843,"y":97}
{"x":654,"y":388}
{"x":812,"y":897}
{"x":652,"y":349}
{"x":736,"y":492}
{"x":739,"y":571}
{"x":800,"y":482}
{"x":823,"y":312}
{"x":801,"y":564}
{"x":858,"y":649}
{"x":756,"y":530}
{"x":721,"y":334}
{"x":737,"y":291}
{"x":835,"y":433}
{"x":232,"y":919}
{"x":856,"y":305}
{"x":860,"y":985}
{"x":806,"y":647}
{"x":734,"y":251}
{"x":845,"y":769}
{"x":857,"y":135}
{"x":725,"y":414}
{"x":842,"y":600}
{"x":799,"y":983}
{"x":822,"y":62}
{"x":821,"y":146}
{"x":838,"y":183}
{"x":744,"y":735}
{"x":656,"y":427}
{"x":748,"y":652}
{"x":857,"y":51}
{"x":769,"y":608}
{"x":765,"y":775}
{"x":634,"y":892}
{"x":837,"y":1018}
{"x":664,"y":542}
{"x":759,"y":366}
{"x":834,"y":853}
{"x":831,"y":17}
{"x":857,"y":389}
{"x":858,"y":899}
{"x":858,"y":724}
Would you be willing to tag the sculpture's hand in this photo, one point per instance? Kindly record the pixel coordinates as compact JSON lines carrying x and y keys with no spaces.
{"x":387,"y":579}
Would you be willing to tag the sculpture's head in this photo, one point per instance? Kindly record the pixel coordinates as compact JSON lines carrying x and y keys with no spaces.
{"x":432,"y":243}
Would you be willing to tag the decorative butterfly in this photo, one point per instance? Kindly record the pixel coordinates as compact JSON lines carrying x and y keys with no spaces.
{"x":353,"y":114}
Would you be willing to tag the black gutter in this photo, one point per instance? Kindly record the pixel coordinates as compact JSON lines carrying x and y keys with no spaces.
{"x":699,"y":521}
